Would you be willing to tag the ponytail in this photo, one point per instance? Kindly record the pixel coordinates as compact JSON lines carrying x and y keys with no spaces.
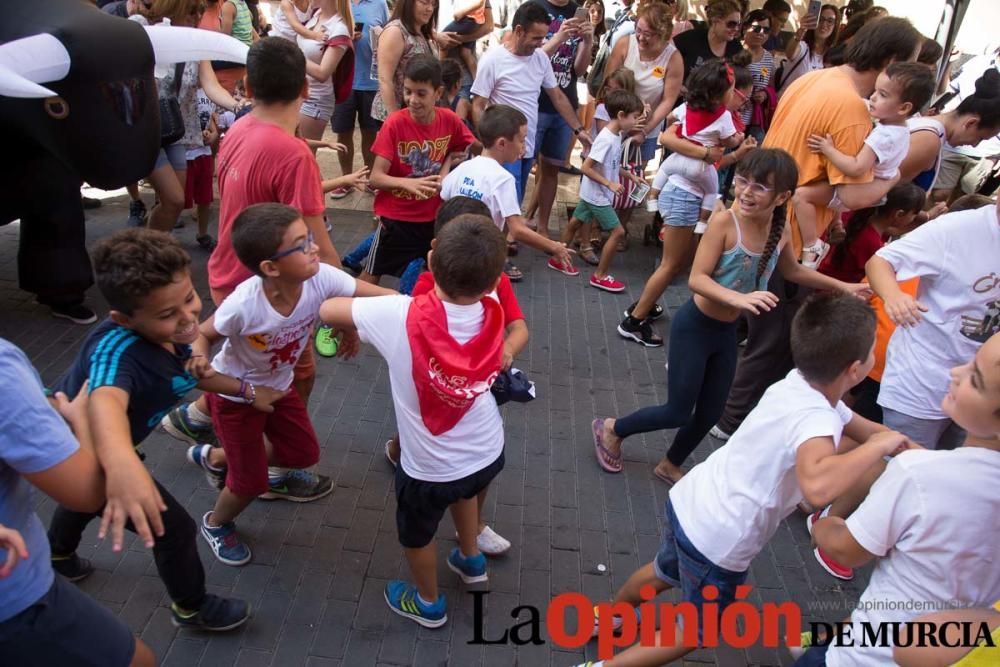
{"x":907,"y":197}
{"x":344,"y":9}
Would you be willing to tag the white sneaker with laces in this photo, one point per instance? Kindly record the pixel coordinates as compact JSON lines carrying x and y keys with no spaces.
{"x":491,"y":542}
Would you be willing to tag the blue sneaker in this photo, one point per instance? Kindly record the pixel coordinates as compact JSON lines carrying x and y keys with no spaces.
{"x":198,"y":455}
{"x":355,"y":259}
{"x":224,"y":543}
{"x":472,"y":569}
{"x":408,"y":280}
{"x":402,"y":598}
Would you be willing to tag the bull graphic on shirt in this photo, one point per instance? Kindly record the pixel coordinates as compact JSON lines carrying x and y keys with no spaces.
{"x":287,"y":355}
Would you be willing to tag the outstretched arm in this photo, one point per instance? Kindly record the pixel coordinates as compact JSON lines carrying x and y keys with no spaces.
{"x":856,"y":165}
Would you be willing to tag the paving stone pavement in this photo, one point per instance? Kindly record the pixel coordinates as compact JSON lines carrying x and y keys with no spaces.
{"x":318,"y":570}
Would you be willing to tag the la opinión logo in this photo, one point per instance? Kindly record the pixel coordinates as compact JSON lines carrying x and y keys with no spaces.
{"x":739,"y":625}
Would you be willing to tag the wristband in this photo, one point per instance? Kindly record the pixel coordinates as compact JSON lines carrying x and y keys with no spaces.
{"x":578,"y":130}
{"x":249,"y":400}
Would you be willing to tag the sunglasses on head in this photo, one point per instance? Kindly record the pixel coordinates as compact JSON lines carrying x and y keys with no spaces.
{"x":759,"y":29}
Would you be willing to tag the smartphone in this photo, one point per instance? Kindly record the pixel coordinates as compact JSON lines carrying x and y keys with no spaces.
{"x":359,"y":26}
{"x":582,"y":14}
{"x":814,"y":8}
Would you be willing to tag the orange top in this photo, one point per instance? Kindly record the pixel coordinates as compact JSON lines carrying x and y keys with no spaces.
{"x":884,"y":327}
{"x":821,"y":102}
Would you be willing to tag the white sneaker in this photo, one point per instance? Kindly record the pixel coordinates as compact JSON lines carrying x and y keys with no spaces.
{"x":492,"y":543}
{"x":718,"y":433}
{"x":651,"y":205}
{"x":700,"y":227}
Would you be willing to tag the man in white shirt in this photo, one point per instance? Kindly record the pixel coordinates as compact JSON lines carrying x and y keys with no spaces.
{"x":514,"y":73}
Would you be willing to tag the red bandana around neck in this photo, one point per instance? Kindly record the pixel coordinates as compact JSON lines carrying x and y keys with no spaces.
{"x":448,"y":375}
{"x":695,"y":121}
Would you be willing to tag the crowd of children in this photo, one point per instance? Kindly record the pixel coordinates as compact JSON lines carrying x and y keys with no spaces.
{"x":904,"y":327}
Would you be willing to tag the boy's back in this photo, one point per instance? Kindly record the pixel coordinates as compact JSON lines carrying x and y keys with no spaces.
{"x":476,"y":439}
{"x":731,"y":504}
{"x":483,"y":178}
{"x":154,"y":378}
{"x":933,"y":518}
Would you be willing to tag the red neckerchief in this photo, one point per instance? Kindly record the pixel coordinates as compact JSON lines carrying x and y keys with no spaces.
{"x":696,"y":121}
{"x":449,"y":376}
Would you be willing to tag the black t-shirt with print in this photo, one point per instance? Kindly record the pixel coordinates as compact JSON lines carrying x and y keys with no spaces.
{"x":695,"y":49}
{"x":564,"y":59}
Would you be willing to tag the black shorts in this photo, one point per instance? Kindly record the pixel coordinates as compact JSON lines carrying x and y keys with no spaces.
{"x":421,"y":505}
{"x":66,"y":627}
{"x":358,"y":104}
{"x":397,"y":244}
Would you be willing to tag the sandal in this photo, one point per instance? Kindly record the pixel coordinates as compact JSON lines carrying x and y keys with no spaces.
{"x":513,"y":272}
{"x":388,"y":456}
{"x":589,"y":256}
{"x":608,"y":461}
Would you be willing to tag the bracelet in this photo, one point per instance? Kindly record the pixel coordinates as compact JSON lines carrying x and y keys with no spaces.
{"x":708,"y":152}
{"x":253,"y":394}
{"x":243,"y":389}
{"x":578,"y":130}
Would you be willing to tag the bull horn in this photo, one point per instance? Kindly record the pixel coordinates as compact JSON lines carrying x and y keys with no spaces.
{"x":40,"y":58}
{"x":13,"y":84}
{"x":180,"y":45}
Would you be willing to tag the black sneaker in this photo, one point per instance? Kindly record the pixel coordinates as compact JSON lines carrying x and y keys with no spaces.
{"x":72,"y":567}
{"x":136,"y":214}
{"x":298,"y":486}
{"x":640,"y":332}
{"x":76,"y":313}
{"x":217,"y":614}
{"x":655,"y":313}
{"x":90,"y":203}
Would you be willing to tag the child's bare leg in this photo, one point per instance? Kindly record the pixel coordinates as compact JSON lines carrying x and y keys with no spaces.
{"x":227,"y":507}
{"x":423,"y":567}
{"x":643,"y":656}
{"x":204,"y":217}
{"x":644,"y":576}
{"x":469,"y":59}
{"x":570,"y":231}
{"x":465,"y":514}
{"x":804,"y":201}
{"x":480,"y":501}
{"x":845,"y":505}
{"x":609,"y":250}
{"x":856,"y":196}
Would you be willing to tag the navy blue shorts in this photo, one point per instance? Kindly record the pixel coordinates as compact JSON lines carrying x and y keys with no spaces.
{"x":66,"y":627}
{"x":421,"y":505}
{"x":681,"y":565}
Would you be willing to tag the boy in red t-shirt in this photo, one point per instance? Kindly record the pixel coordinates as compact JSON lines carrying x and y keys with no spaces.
{"x":411,"y":158}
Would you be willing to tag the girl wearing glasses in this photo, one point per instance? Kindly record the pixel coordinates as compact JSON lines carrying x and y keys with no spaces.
{"x":756,"y":115}
{"x":733,"y":263}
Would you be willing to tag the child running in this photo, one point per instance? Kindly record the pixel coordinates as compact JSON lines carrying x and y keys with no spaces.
{"x":602,"y":172}
{"x":900,"y":91}
{"x":266,"y":323}
{"x":444,"y":349}
{"x":800,"y":442}
{"x":741,"y":248}
{"x":929,"y":522}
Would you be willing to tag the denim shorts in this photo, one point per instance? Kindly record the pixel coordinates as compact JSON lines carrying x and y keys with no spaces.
{"x":318,"y":107}
{"x":358,"y":104}
{"x":175,"y":155}
{"x":649,"y":147}
{"x":681,"y":565}
{"x":678,"y":207}
{"x":552,"y":138}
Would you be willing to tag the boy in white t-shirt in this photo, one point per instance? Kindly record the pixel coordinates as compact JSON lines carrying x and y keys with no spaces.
{"x":720,"y":515}
{"x":444,"y":348}
{"x":502,"y":131}
{"x":954,"y":312}
{"x":900,"y":91}
{"x":602,"y":172}
{"x":266,"y":322}
{"x":930,"y":520}
{"x":199,"y":177}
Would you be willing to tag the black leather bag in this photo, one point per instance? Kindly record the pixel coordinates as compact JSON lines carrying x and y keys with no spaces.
{"x":171,"y":120}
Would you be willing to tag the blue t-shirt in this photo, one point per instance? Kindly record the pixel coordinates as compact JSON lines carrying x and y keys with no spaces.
{"x":33,"y":438}
{"x":371,"y":13}
{"x":153,"y":377}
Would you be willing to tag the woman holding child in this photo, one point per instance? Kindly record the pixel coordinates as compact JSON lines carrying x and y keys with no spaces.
{"x":329,"y":64}
{"x":741,"y":248}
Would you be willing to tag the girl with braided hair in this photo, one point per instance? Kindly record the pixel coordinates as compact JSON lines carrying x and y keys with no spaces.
{"x":734,"y":261}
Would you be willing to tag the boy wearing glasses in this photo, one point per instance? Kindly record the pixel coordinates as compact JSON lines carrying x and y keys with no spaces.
{"x":266,"y":323}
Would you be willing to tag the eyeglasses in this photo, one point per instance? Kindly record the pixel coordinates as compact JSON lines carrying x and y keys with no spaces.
{"x":645,"y":34}
{"x":828,"y":20}
{"x":754,"y":187}
{"x":740,"y":95}
{"x":305,"y":247}
{"x":759,"y":29}
{"x":732,"y":25}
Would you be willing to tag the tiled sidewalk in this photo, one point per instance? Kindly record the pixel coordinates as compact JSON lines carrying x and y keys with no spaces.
{"x":318,"y":570}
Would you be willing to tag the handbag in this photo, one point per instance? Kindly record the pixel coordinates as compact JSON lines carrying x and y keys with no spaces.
{"x":631,"y":161}
{"x":171,"y":120}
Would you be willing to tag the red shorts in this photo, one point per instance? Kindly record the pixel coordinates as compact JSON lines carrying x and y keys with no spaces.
{"x":198,"y":188}
{"x":306,"y":366}
{"x":241,"y":430}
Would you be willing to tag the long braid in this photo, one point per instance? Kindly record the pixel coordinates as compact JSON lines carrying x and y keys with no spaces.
{"x":771,"y":244}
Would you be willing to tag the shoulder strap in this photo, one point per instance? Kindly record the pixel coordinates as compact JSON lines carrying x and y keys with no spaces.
{"x":739,"y":232}
{"x":178,"y":77}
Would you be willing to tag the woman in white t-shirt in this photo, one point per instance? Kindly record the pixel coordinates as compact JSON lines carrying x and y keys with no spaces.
{"x":804,"y":52}
{"x":333,"y":19}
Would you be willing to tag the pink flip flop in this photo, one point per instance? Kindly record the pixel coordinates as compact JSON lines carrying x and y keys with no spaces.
{"x":613,"y":463}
